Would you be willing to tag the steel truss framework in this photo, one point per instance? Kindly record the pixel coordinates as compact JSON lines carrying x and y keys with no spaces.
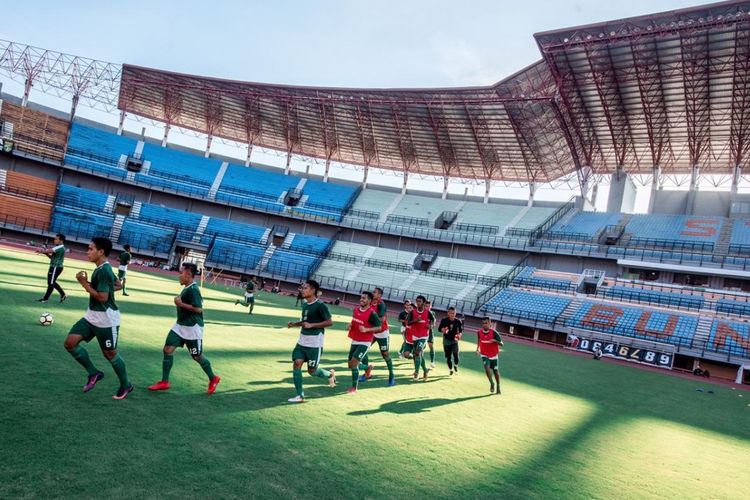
{"x":665,"y":94}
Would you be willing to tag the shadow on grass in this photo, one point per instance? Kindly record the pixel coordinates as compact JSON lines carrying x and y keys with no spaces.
{"x":414,"y":405}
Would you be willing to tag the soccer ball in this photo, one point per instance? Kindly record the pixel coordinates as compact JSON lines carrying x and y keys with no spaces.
{"x":46,"y":319}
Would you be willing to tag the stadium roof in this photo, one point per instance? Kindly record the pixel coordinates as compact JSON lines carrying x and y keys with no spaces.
{"x":669,"y":90}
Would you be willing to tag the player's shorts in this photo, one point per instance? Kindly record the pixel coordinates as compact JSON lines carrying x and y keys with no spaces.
{"x":490,"y":362}
{"x":194,"y":346}
{"x":408,"y":347}
{"x":419,"y":344}
{"x":358,"y":351}
{"x":250,"y":299}
{"x":309,"y":354}
{"x":431,"y":337}
{"x":107,"y":337}
{"x":384,"y":344}
{"x":121,"y":274}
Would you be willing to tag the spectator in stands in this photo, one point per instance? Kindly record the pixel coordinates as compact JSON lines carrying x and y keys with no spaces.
{"x":56,"y":256}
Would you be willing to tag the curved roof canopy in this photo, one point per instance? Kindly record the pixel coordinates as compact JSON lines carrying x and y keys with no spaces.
{"x":669,"y":89}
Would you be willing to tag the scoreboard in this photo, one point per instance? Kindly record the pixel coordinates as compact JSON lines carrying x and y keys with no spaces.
{"x":628,"y":353}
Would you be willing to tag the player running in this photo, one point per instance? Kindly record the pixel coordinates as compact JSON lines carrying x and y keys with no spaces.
{"x":451,"y":328}
{"x":187,"y":331}
{"x":122,"y":270}
{"x":249,"y":295}
{"x":56,"y":256}
{"x":383,"y":336}
{"x":404,"y":327}
{"x":102,"y":319}
{"x":418,"y":321}
{"x":309,"y":348}
{"x":365,"y":323}
{"x":488,"y":347}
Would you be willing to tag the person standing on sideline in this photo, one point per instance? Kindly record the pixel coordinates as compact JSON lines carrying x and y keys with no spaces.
{"x":102,"y":319}
{"x":187,"y":331}
{"x":315,"y":319}
{"x":122,"y":270}
{"x":451,"y":328}
{"x":56,"y":256}
{"x":383,"y":337}
{"x":364,"y":324}
{"x":488,"y":347}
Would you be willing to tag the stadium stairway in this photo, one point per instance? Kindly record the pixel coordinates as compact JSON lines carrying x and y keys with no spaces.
{"x":389,"y":210}
{"x":265,"y":237}
{"x":135,"y":212}
{"x":703,"y":331}
{"x":217,"y":181}
{"x":514,"y":220}
{"x":288,"y":241}
{"x":201,"y":229}
{"x":3,"y":178}
{"x":109,"y":206}
{"x":114,"y":234}
{"x":573,"y":306}
{"x":266,"y":257}
{"x":725,"y":238}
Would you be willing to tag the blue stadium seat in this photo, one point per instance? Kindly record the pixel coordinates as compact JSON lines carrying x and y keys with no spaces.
{"x":527,"y":305}
{"x":291,"y":265}
{"x":82,"y":199}
{"x":729,"y":337}
{"x":310,"y":244}
{"x":658,"y":297}
{"x":585,"y":224}
{"x":243,"y":256}
{"x":674,"y":231}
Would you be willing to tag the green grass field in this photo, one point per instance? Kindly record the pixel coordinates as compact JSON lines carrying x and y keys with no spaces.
{"x":565,"y":426}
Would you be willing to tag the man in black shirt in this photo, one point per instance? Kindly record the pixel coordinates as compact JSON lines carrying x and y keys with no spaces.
{"x":451,"y":328}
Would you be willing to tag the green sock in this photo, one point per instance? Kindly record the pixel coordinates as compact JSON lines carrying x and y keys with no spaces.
{"x":389,"y":364}
{"x":297,"y":376}
{"x":124,"y":290}
{"x":416,"y":363}
{"x":403,"y":348}
{"x":355,"y":377}
{"x":82,"y":356}
{"x":423,"y":364}
{"x":166,"y":366}
{"x":206,"y":365}
{"x":118,"y":364}
{"x":322,"y":373}
{"x":365,"y":360}
{"x":432,"y":355}
{"x":363,"y":366}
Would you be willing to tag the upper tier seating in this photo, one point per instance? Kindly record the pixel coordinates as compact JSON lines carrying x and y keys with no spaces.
{"x":309,"y":244}
{"x":231,"y":230}
{"x":146,"y":237}
{"x":35,"y":132}
{"x":551,"y":281}
{"x":171,"y":217}
{"x":740,"y":239}
{"x":585,"y":224}
{"x":674,"y":231}
{"x":669,"y":299}
{"x":291,"y":264}
{"x":179,"y":165}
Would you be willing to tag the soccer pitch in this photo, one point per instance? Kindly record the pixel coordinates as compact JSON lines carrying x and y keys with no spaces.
{"x":564,"y":427}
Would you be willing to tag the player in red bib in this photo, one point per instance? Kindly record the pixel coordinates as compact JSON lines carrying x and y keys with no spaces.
{"x":488,"y":347}
{"x":365,"y":323}
{"x":418,"y":321}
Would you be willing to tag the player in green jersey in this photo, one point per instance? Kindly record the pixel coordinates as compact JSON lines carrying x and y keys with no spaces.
{"x":187,"y":331}
{"x":102,"y":319}
{"x":309,"y":348}
{"x":56,"y":256}
{"x":431,"y":338}
{"x":249,"y":295}
{"x":123,"y":268}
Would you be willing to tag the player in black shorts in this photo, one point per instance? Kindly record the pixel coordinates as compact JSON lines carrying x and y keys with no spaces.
{"x":451,"y":327}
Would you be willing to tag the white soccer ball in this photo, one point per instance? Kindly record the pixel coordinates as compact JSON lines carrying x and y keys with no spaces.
{"x":46,"y":319}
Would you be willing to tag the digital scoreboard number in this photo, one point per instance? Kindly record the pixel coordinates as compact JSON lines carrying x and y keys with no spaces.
{"x":629,"y":353}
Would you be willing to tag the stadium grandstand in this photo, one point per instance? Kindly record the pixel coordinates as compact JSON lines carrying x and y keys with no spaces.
{"x":656,"y":98}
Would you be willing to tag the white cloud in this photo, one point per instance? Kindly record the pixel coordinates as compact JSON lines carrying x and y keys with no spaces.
{"x":461,"y":63}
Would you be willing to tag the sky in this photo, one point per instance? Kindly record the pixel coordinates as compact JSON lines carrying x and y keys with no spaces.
{"x":384,"y":43}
